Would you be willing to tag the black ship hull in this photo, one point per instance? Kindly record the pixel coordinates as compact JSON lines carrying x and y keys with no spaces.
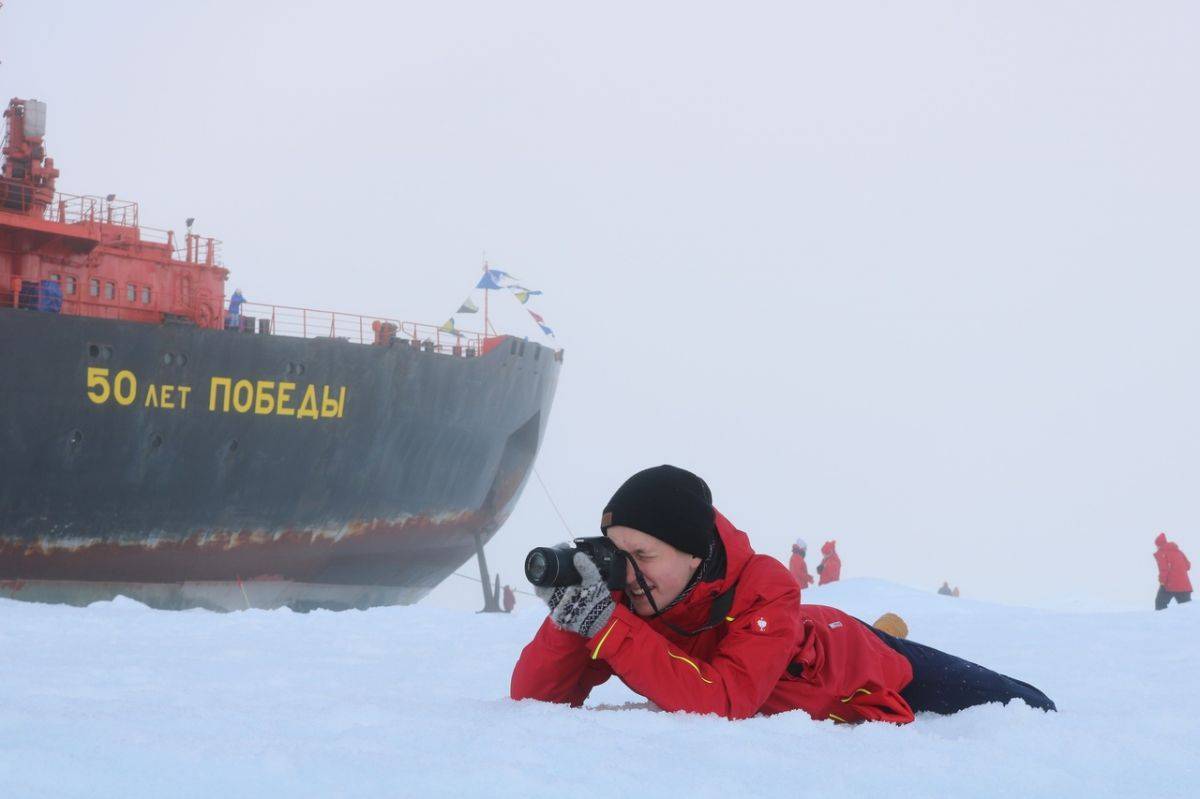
{"x":187,"y":467}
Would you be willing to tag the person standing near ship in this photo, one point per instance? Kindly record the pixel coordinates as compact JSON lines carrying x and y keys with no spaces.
{"x":830,"y":567}
{"x":797,"y":565}
{"x":1173,"y":566}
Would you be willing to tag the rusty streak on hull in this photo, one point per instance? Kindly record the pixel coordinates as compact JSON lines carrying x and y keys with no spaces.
{"x":367,"y":564}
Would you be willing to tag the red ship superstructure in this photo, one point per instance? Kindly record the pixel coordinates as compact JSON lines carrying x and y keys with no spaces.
{"x":160,"y":444}
{"x":94,"y":248}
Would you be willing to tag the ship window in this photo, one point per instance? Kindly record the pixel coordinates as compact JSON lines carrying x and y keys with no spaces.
{"x":145,"y":295}
{"x":94,"y":287}
{"x":56,"y":278}
{"x":70,"y":284}
{"x":110,"y":290}
{"x":131,"y":292}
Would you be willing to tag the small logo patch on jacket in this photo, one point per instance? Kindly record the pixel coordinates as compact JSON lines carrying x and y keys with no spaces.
{"x":761,"y":624}
{"x":833,"y":625}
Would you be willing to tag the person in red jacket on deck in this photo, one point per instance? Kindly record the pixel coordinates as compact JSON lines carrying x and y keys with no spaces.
{"x":830,"y":567}
{"x":1173,"y":566}
{"x":705,"y":625}
{"x":797,"y":566}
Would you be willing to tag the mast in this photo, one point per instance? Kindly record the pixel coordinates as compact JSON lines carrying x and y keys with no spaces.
{"x":485,"y":303}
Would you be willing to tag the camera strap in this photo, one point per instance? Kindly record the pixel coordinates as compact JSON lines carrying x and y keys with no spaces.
{"x":716,"y":614}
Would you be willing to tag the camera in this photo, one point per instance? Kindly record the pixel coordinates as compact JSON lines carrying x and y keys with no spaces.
{"x":553,"y":566}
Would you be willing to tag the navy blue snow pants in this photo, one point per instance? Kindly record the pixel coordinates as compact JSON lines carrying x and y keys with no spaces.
{"x":1164,"y":597}
{"x":946,"y":684}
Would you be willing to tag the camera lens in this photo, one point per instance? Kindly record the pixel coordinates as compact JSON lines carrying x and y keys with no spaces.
{"x":545,"y":566}
{"x":535,"y":567}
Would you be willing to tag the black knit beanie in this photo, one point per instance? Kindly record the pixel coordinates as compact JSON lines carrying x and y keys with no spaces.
{"x":667,"y":502}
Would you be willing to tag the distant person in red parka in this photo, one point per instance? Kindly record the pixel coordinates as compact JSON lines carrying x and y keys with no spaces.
{"x":702,"y":624}
{"x":797,"y":565}
{"x":830,"y":567}
{"x":1173,"y":566}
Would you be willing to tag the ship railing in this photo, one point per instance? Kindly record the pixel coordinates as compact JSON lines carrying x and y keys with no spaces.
{"x":70,"y":209}
{"x":85,"y":209}
{"x":285,"y":320}
{"x":196,"y":249}
{"x":75,"y":209}
{"x":282,"y":320}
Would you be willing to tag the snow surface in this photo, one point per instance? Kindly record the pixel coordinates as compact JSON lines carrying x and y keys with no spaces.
{"x":120,"y":700}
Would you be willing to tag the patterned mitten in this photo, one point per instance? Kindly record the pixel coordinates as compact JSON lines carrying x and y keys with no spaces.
{"x":552,"y":595}
{"x":583,"y":608}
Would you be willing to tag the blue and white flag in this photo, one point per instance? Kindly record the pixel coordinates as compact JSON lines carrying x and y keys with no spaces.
{"x":494,"y":279}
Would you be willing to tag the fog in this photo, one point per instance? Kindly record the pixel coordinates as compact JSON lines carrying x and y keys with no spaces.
{"x":919,"y":277}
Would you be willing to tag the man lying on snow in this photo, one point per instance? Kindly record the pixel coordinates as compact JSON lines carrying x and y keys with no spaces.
{"x":705,"y":625}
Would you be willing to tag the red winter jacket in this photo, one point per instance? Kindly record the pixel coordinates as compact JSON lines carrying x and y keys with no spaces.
{"x":799,"y":570}
{"x":839,"y":669}
{"x":1173,"y":565}
{"x":831,"y":564}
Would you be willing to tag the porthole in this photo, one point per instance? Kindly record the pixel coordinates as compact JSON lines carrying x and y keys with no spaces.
{"x":168,"y":358}
{"x":156,"y":441}
{"x":180,"y":359}
{"x":233,"y":445}
{"x":93,"y":351}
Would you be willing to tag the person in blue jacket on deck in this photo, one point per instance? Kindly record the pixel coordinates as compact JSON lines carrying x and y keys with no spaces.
{"x":233,"y":319}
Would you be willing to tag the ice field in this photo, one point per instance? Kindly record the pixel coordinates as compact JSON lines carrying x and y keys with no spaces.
{"x":119,"y":700}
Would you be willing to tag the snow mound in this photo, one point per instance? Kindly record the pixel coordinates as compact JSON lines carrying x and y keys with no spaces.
{"x":120,"y":700}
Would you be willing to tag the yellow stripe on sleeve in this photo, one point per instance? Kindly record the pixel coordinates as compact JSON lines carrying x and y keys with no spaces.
{"x":690,"y":663}
{"x":603,"y":638}
{"x":856,"y":693}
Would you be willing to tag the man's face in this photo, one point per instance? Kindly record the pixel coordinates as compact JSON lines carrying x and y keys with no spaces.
{"x":665,"y":569}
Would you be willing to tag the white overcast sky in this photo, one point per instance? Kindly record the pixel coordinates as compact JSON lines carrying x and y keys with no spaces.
{"x":918,"y":276}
